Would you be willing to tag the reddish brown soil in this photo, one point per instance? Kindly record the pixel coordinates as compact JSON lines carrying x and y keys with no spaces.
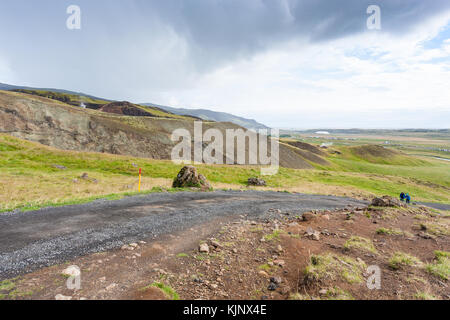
{"x":235,"y":269}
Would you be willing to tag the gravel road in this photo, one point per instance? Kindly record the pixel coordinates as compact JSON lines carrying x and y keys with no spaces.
{"x":31,"y":240}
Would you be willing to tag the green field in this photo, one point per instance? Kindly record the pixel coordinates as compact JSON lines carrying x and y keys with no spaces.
{"x":29,"y":179}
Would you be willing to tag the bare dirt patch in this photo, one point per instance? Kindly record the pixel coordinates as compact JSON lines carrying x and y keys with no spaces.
{"x":322,"y":255}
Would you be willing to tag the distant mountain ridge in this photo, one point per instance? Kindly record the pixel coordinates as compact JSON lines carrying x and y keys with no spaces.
{"x":212,"y":116}
{"x":9,"y":87}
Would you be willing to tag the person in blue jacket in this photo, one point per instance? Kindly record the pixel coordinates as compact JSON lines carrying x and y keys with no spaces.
{"x":408,"y":198}
{"x":402,"y":196}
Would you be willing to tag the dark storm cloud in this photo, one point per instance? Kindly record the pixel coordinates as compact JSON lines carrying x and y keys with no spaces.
{"x":217,"y":29}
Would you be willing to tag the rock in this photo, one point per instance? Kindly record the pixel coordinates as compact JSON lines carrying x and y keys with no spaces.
{"x":111,"y":286}
{"x":188,"y":177}
{"x":256,"y":182}
{"x":387,"y":201}
{"x":272,"y":286}
{"x":204,"y":248}
{"x":308,"y":216}
{"x":127,"y":247}
{"x":425,"y":235}
{"x":263,"y":273}
{"x":213,"y":286}
{"x":235,"y":250}
{"x":57,"y":166}
{"x":61,"y":297}
{"x":276,"y":280}
{"x":134,"y":245}
{"x":312,"y":234}
{"x":280,"y":263}
{"x":279,"y":248}
{"x":326,"y":217}
{"x":323,"y":292}
{"x":215,"y":244}
{"x":84,"y":176}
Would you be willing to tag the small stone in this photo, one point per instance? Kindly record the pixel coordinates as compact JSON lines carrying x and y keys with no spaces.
{"x":57,"y":166}
{"x":215,"y":244}
{"x":204,"y":248}
{"x":326,"y":217}
{"x":276,"y":280}
{"x":323,"y":292}
{"x":263,"y":273}
{"x":279,"y":248}
{"x":235,"y":250}
{"x":127,"y":247}
{"x":61,"y":297}
{"x":134,"y":245}
{"x":280,"y":263}
{"x":308,"y":216}
{"x":213,"y":286}
{"x":111,"y":286}
{"x":272,"y":287}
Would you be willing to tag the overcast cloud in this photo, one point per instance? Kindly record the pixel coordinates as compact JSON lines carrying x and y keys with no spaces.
{"x":286,"y":63}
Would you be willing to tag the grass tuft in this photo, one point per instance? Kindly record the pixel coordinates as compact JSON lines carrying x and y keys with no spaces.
{"x":332,"y":266}
{"x":400,"y":259}
{"x":360,"y":243}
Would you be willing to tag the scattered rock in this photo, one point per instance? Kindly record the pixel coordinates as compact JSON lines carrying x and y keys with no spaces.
{"x":57,"y":166}
{"x":263,"y":273}
{"x":308,"y":216}
{"x":312,"y":234}
{"x":326,"y":217}
{"x":256,"y":182}
{"x":272,"y":286}
{"x":387,"y":201}
{"x":276,"y":280}
{"x":279,"y":248}
{"x":204,"y":248}
{"x":127,"y":247}
{"x":323,"y":292}
{"x":61,"y":297}
{"x":188,"y":177}
{"x":111,"y":286}
{"x":278,"y":262}
{"x":215,"y":244}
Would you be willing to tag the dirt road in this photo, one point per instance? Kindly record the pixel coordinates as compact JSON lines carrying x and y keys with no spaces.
{"x":31,"y":240}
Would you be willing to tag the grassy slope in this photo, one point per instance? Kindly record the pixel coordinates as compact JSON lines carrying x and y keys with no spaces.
{"x":29,"y":180}
{"x":76,"y":100}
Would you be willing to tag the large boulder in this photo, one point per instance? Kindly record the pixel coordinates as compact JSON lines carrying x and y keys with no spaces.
{"x":256,"y":182}
{"x":190,"y":178}
{"x":387,"y":201}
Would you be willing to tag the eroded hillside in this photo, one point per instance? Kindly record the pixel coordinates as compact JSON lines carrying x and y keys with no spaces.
{"x":116,"y":128}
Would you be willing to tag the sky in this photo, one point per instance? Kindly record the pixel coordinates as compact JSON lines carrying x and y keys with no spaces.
{"x":286,"y":63}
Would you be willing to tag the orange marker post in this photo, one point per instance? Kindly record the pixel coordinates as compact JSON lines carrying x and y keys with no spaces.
{"x":140,"y":173}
